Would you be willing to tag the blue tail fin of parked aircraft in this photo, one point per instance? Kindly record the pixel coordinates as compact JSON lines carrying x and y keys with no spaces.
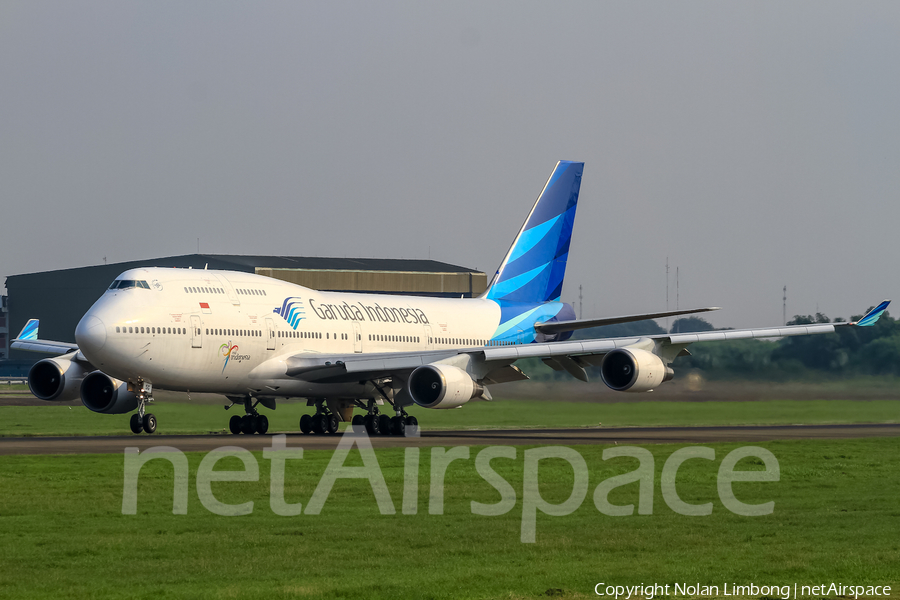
{"x":535,"y":264}
{"x":30,"y":331}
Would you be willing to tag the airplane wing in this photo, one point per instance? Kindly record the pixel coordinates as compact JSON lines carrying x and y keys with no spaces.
{"x":28,"y":340}
{"x":495,"y":364}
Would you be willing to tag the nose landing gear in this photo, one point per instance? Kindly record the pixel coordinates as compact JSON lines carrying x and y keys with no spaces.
{"x":141,"y":421}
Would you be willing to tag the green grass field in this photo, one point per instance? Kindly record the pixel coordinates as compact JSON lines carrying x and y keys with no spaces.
{"x":63,"y":534}
{"x":183,"y":417}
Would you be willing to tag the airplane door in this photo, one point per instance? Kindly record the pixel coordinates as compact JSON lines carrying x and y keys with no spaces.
{"x":270,"y":330}
{"x":357,"y":338}
{"x":429,"y":341}
{"x":196,"y":335}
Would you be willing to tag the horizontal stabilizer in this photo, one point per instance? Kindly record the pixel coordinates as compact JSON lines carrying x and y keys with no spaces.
{"x":560,"y":326}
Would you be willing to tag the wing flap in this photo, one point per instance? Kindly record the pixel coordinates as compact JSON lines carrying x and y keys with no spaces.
{"x":740,"y":334}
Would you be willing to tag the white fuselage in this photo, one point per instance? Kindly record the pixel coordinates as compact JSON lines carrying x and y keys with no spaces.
{"x":229,"y":332}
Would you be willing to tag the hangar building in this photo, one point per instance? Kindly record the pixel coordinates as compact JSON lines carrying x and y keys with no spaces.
{"x":60,"y":298}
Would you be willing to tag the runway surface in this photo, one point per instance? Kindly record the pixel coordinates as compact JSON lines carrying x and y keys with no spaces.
{"x":504,"y":437}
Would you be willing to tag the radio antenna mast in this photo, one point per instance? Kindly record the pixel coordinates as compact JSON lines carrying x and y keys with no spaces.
{"x":784,"y":307}
{"x":580,"y":304}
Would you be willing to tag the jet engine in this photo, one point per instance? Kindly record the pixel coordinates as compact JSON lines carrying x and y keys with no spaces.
{"x":103,"y":394}
{"x":442,"y":386}
{"x":56,"y":379}
{"x":633,"y":370}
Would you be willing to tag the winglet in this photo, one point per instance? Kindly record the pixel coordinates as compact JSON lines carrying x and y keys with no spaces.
{"x":30,"y":331}
{"x":873,"y":315}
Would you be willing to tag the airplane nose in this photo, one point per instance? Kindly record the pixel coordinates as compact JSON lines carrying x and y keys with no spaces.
{"x":90,"y":334}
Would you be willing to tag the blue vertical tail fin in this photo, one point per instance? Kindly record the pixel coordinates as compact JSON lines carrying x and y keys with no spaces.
{"x":535,"y":265}
{"x":30,"y":331}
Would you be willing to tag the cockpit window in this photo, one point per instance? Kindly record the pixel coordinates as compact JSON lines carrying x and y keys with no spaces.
{"x":122,"y":284}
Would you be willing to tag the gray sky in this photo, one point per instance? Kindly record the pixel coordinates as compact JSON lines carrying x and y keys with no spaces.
{"x":755,"y":144}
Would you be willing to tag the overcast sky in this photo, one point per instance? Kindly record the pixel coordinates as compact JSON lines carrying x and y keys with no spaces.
{"x":754,"y":144}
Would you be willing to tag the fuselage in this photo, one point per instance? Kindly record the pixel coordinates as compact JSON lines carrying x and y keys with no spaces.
{"x":226,"y":332}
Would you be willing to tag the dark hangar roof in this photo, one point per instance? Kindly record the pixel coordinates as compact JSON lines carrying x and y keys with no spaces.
{"x":337,"y":264}
{"x":249,"y":263}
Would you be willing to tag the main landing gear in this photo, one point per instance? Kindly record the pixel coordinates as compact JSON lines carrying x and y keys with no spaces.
{"x":376,"y":423}
{"x":250,"y":423}
{"x":324,"y":421}
{"x":141,"y":421}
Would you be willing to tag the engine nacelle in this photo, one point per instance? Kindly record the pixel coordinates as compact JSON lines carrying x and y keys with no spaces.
{"x":442,"y":386}
{"x":103,"y":394}
{"x":633,"y":370}
{"x":56,"y":379}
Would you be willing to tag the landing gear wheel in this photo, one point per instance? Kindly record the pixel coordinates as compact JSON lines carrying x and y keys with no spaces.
{"x":332,"y":423}
{"x":319,"y":424}
{"x":247,"y":424}
{"x":358,"y":423}
{"x":412,"y":425}
{"x":262,"y":424}
{"x":398,"y":425}
{"x":234,"y":424}
{"x":371,"y":423}
{"x":306,"y":423}
{"x":137,"y":424}
{"x":149,"y":423}
{"x":384,"y":424}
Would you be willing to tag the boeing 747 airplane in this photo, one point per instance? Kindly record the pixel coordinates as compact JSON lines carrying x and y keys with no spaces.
{"x":258,"y":340}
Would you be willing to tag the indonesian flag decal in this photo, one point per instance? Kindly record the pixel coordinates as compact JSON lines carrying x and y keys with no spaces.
{"x":204,"y":306}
